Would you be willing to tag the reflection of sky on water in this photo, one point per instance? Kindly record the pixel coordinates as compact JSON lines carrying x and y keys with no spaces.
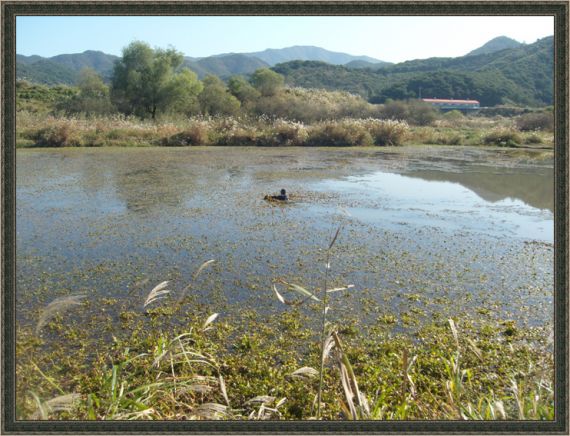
{"x":407,"y":200}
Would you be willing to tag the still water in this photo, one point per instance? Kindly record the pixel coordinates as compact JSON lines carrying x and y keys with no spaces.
{"x":449,"y":230}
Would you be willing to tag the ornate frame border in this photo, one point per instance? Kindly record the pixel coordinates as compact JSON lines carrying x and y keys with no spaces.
{"x":9,"y":11}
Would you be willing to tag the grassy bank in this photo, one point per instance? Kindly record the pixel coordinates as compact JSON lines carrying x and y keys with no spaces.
{"x":176,"y":360}
{"x":34,"y":130}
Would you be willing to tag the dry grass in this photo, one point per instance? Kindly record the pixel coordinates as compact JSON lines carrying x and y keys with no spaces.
{"x":57,"y":307}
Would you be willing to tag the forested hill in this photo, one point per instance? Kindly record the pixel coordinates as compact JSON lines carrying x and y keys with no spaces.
{"x":520,"y":75}
{"x":63,"y":69}
{"x":224,"y":66}
{"x":496,"y":44}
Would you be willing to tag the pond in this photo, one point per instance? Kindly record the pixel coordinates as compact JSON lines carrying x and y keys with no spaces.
{"x":428,"y":231}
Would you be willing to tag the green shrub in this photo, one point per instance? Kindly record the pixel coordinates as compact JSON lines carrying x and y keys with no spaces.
{"x":454,"y":115}
{"x":415,"y":112}
{"x":503,"y":138}
{"x":421,"y":113}
{"x":449,"y":138}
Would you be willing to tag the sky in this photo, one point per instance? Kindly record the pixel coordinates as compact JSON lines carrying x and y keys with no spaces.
{"x":391,"y":39}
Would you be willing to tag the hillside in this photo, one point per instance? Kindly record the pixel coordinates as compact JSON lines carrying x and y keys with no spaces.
{"x":225,"y":66}
{"x":522,"y":75}
{"x":45,"y":72}
{"x":366,"y":64}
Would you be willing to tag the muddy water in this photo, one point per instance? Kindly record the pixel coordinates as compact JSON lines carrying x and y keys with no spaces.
{"x":426,"y":232}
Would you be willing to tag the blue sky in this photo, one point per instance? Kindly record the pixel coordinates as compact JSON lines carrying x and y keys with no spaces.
{"x":392,"y":39}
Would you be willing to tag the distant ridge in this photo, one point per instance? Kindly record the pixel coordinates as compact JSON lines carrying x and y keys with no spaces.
{"x":273,"y":56}
{"x":495,"y":44}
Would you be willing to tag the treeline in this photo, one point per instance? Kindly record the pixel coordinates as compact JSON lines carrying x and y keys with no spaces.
{"x":151,"y":83}
{"x":153,"y":100}
{"x":491,"y":87}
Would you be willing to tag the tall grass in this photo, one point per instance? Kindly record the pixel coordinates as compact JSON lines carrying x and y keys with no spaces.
{"x":226,"y":131}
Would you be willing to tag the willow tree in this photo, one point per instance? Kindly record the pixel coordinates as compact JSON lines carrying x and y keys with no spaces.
{"x":147,"y":81}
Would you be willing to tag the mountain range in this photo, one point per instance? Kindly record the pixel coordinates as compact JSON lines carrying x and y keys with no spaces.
{"x":64,"y":69}
{"x":502,"y":70}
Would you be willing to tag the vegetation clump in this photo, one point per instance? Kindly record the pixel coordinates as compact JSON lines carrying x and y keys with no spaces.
{"x":503,"y":138}
{"x":535,"y":121}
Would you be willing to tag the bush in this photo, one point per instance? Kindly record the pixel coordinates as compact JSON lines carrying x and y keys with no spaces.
{"x":420,"y":113}
{"x":414,"y":112}
{"x":196,"y":134}
{"x":232,"y":131}
{"x":285,"y":133}
{"x":536,"y":121}
{"x":533,"y":138}
{"x":311,"y":105}
{"x":58,"y":135}
{"x":449,"y":139}
{"x":394,"y":110}
{"x":387,"y":132}
{"x":503,"y":138}
{"x":343,"y":133}
{"x":454,"y":115}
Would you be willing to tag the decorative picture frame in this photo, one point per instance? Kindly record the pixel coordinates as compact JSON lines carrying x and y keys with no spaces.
{"x":12,"y":9}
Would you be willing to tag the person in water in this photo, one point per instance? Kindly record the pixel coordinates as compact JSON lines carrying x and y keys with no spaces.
{"x":281,"y":197}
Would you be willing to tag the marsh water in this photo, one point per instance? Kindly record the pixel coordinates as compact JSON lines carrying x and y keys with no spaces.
{"x":426,"y":231}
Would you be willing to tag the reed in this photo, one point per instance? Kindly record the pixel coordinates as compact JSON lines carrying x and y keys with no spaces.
{"x":57,"y":307}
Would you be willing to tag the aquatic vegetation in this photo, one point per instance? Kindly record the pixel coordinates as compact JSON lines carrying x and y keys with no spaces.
{"x":197,"y":372}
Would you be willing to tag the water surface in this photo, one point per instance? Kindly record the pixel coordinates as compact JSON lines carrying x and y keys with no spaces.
{"x":446,"y":230}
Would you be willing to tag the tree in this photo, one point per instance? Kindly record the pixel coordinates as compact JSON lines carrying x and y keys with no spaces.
{"x":146,"y":81}
{"x":242,"y":89}
{"x":421,"y":113}
{"x":267,"y":82}
{"x":184,"y":89}
{"x":93,"y":95}
{"x":215,"y":98}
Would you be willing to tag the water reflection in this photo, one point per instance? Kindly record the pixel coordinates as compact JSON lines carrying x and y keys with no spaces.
{"x":481,"y":202}
{"x":534,"y":188}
